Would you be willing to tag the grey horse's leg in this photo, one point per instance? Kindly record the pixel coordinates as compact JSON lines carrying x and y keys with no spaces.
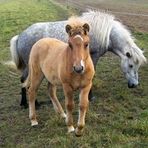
{"x":95,"y":58}
{"x":23,"y":90}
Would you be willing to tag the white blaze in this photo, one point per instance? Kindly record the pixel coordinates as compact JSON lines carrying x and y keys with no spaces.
{"x":78,"y":36}
{"x":82,"y":63}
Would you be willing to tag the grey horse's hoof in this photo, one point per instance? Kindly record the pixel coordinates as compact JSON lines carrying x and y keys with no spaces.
{"x":37,"y":104}
{"x":25,"y":105}
{"x":92,"y":99}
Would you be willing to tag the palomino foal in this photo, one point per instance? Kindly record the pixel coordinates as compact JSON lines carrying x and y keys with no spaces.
{"x":69,"y":65}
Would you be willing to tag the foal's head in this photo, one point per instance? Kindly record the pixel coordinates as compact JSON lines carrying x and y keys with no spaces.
{"x":78,"y":45}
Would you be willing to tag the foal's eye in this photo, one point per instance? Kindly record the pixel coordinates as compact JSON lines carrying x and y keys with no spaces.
{"x":131,"y":66}
{"x":86,"y":45}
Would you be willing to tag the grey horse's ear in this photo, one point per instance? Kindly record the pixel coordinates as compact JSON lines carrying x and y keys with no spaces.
{"x":86,"y":27}
{"x":68,"y":28}
{"x":128,"y":55}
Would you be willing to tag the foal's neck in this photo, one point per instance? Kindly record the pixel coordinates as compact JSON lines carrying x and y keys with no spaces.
{"x":67,"y":58}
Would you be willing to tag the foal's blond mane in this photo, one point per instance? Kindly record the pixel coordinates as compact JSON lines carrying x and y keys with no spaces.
{"x":76,"y":22}
{"x":77,"y":26}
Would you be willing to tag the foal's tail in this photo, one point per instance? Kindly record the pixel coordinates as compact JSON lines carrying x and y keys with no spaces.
{"x":26,"y":84}
{"x":14,"y":53}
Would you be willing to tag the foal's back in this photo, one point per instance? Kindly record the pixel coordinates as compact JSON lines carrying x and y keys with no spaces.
{"x":47,"y":55}
{"x":48,"y":47}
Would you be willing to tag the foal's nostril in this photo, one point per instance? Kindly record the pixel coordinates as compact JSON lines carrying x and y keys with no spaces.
{"x":78,"y":69}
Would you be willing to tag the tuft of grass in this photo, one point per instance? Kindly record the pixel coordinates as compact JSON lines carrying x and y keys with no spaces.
{"x":117,"y":118}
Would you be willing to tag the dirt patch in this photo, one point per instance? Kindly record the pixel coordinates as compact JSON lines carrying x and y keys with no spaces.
{"x":132,"y":13}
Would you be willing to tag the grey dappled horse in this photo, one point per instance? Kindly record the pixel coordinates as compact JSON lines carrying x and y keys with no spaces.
{"x":107,"y":34}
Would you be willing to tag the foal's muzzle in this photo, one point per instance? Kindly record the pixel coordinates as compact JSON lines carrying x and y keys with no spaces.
{"x":78,"y":69}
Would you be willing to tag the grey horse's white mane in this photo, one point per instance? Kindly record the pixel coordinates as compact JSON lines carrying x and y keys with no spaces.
{"x":101,"y":26}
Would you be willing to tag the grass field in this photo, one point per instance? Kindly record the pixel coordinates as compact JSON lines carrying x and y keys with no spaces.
{"x":118,"y":118}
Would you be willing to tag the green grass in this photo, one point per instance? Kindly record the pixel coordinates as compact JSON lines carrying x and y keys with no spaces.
{"x":118,"y":118}
{"x":16,"y":15}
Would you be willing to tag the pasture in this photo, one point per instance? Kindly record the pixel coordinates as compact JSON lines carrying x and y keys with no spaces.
{"x":117,"y":118}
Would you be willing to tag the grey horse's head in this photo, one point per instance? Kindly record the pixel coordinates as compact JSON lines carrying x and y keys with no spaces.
{"x":132,"y":57}
{"x":130,"y":63}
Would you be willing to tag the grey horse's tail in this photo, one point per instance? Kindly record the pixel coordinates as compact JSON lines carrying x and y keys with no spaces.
{"x":14,"y":53}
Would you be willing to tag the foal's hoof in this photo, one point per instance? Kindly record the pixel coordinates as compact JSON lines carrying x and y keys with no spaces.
{"x":70,"y":129}
{"x":79,"y":132}
{"x":34,"y":123}
{"x":63,"y":115}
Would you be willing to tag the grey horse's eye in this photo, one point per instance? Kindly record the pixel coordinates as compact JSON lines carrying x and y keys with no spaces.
{"x":131,"y":66}
{"x":128,"y":55}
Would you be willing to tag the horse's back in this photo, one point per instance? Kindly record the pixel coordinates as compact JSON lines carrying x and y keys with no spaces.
{"x":36,"y":32}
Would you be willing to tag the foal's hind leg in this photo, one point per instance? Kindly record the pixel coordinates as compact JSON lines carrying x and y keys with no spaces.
{"x":57,"y":106}
{"x":23,"y":90}
{"x":35,"y":81}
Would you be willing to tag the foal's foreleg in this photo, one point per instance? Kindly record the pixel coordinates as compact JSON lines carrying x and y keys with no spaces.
{"x":69,"y":103}
{"x":57,"y":106}
{"x":83,"y":108}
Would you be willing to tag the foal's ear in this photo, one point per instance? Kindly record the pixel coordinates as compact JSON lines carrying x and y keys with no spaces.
{"x":68,"y":28}
{"x":86,"y":28}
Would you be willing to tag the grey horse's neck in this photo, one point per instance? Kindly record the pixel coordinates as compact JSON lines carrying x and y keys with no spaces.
{"x":100,"y":26}
{"x":96,"y":47}
{"x":119,"y":40}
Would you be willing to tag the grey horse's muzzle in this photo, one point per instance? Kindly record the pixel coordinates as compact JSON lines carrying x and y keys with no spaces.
{"x":132,"y":84}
